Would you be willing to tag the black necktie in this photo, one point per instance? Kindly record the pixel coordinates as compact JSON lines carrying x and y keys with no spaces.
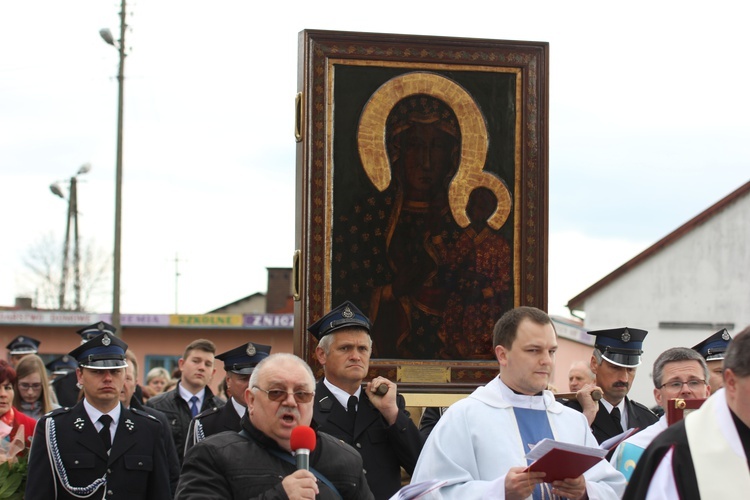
{"x":351,"y":408}
{"x":615,"y":414}
{"x":104,"y":434}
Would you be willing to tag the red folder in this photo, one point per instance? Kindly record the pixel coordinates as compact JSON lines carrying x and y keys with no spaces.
{"x":561,"y":460}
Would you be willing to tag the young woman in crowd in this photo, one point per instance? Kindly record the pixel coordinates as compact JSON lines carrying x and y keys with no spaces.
{"x":33,"y":394}
{"x":12,"y":420}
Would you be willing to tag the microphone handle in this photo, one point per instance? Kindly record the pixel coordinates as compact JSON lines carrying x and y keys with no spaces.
{"x":303,"y":459}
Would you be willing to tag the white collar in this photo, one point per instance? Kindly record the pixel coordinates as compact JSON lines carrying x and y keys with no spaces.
{"x":186,"y":395}
{"x":341,"y":395}
{"x":238,"y":407}
{"x":94,"y":414}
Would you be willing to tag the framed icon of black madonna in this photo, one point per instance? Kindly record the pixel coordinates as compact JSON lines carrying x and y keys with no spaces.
{"x":422,"y":196}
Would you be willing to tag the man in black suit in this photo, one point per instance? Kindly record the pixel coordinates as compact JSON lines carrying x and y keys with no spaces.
{"x":98,"y":447}
{"x":377,"y":425}
{"x":617,"y":354}
{"x":239,"y":364}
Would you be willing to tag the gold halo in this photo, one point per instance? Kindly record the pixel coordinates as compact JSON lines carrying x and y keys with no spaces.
{"x":474,"y":142}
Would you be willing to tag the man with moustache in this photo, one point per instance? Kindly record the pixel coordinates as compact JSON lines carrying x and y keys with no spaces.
{"x":479,"y":445}
{"x":378,"y":426}
{"x":705,"y":455}
{"x":617,"y":354}
{"x":713,"y":349}
{"x":678,"y":373}
{"x":239,"y":364}
{"x":98,"y":448}
{"x":258,"y":462}
{"x":192,"y":394}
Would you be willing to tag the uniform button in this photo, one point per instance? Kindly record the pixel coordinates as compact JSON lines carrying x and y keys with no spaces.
{"x":364,"y":470}
{"x":359,"y":445}
{"x":109,"y":471}
{"x":76,"y":462}
{"x":110,"y":493}
{"x":140,"y":464}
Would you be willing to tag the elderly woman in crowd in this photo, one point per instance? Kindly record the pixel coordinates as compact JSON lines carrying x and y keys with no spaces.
{"x":12,"y":420}
{"x":156,"y":379}
{"x":33,"y":394}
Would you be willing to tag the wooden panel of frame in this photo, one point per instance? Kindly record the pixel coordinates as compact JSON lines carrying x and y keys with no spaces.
{"x":678,"y":408}
{"x":422,"y":194}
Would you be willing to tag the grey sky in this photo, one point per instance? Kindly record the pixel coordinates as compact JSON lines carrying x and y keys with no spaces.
{"x":648,"y":127}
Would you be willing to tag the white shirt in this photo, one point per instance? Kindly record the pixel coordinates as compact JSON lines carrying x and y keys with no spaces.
{"x":186,"y":395}
{"x":94,"y":415}
{"x":341,"y":395}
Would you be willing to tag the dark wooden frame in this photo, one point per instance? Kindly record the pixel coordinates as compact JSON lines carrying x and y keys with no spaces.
{"x":321,"y":53}
{"x":677,"y":408}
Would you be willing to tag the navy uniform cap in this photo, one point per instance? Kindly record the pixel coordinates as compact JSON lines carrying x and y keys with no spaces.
{"x":345,"y":315}
{"x":23,"y":345}
{"x":620,"y":346}
{"x":242,"y":359}
{"x":103,"y":352}
{"x":89,"y":332}
{"x":62,"y":365}
{"x":714,"y":347}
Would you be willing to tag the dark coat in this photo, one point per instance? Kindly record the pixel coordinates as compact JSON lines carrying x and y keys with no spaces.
{"x":66,"y":389}
{"x":178,"y":413}
{"x":212,"y":421}
{"x":604,"y":428}
{"x":384,"y":449}
{"x":230,"y":465}
{"x":173,"y":460}
{"x":136,"y":467}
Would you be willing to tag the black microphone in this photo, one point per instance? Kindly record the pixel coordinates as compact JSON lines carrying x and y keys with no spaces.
{"x":302,"y":443}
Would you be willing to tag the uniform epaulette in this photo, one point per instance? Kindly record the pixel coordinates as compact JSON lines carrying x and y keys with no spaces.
{"x":143,"y":413}
{"x":642,"y":407}
{"x":58,"y":411}
{"x":207,"y":412}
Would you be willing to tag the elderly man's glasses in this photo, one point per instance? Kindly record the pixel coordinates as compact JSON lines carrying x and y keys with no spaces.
{"x":26,"y":387}
{"x":279,"y":395}
{"x":676,"y":385}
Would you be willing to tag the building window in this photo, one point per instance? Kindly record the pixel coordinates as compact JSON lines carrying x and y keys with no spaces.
{"x":168,"y":362}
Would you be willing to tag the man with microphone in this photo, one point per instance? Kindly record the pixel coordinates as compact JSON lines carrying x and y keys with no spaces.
{"x":258,"y":462}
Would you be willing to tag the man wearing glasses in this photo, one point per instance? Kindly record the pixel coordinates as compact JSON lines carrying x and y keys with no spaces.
{"x":678,"y":373}
{"x":377,"y":425}
{"x":257,"y":462}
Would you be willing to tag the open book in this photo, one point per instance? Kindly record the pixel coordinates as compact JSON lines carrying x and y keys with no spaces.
{"x":417,"y":490}
{"x":563,"y":460}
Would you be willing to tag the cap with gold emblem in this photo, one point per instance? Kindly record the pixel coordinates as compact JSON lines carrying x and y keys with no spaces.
{"x":103,"y":352}
{"x":620,"y":346}
{"x":23,"y":345}
{"x":345,"y":315}
{"x":242,"y":360}
{"x":714,"y":347}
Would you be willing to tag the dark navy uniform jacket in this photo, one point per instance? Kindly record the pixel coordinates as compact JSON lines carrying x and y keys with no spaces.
{"x":384,"y":449}
{"x":603,"y":426}
{"x":213,"y":421}
{"x":136,"y":467}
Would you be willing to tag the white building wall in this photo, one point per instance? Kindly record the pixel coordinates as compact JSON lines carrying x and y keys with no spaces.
{"x":703,"y":277}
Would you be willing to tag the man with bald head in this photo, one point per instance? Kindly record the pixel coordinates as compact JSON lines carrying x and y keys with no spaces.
{"x":580,"y":375}
{"x":257,"y":462}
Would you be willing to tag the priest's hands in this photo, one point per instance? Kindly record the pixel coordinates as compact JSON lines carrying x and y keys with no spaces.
{"x":520,"y":484}
{"x":574,"y":488}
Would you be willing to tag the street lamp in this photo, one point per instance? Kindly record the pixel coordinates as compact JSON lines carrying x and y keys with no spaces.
{"x":72,"y":216}
{"x":120,"y":46}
